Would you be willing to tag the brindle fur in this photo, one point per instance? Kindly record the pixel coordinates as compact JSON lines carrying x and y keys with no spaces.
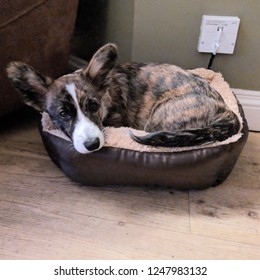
{"x":177,"y":108}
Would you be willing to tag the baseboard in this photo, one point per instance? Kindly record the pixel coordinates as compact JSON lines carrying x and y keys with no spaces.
{"x":250,"y":101}
{"x":76,"y":63}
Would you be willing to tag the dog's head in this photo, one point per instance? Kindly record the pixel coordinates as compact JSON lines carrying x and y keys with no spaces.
{"x":77,"y":103}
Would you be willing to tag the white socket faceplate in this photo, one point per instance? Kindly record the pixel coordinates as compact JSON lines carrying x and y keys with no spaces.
{"x":209,"y":34}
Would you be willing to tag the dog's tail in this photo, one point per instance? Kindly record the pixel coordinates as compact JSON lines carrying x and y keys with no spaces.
{"x":217,"y":131}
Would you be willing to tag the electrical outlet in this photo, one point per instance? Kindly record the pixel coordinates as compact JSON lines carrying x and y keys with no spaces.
{"x":218,"y":33}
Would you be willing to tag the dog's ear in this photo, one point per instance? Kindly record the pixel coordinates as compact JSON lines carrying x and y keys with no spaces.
{"x":30,"y":83}
{"x":104,"y":60}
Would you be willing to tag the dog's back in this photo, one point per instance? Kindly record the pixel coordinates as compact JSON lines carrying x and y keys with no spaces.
{"x":177,"y":107}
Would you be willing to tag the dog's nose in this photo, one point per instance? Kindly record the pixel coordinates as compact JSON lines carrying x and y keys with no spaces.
{"x":92,"y":145}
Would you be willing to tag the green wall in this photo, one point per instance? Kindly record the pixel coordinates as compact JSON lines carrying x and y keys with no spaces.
{"x":120,"y":23}
{"x":168,"y":31}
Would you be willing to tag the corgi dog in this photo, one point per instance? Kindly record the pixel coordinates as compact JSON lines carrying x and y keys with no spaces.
{"x":175,"y":107}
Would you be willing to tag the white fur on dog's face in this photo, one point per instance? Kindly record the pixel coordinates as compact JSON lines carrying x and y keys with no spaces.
{"x":85,"y":131}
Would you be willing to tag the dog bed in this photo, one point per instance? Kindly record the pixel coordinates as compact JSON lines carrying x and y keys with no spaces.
{"x":124,"y":162}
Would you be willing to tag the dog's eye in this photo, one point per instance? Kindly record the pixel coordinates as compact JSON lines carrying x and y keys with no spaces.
{"x":93,"y":106}
{"x":64,"y":115}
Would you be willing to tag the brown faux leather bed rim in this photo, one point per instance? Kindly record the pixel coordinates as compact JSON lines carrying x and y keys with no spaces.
{"x":195,"y":169}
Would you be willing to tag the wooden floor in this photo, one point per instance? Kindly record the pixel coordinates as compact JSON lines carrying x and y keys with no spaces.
{"x":43,"y":215}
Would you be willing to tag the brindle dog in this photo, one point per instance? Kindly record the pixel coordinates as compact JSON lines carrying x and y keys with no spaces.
{"x":175,"y":107}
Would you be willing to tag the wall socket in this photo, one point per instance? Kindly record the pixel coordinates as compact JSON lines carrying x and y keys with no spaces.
{"x":218,"y":33}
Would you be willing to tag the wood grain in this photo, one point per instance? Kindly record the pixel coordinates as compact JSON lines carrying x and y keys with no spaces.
{"x":43,"y":215}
